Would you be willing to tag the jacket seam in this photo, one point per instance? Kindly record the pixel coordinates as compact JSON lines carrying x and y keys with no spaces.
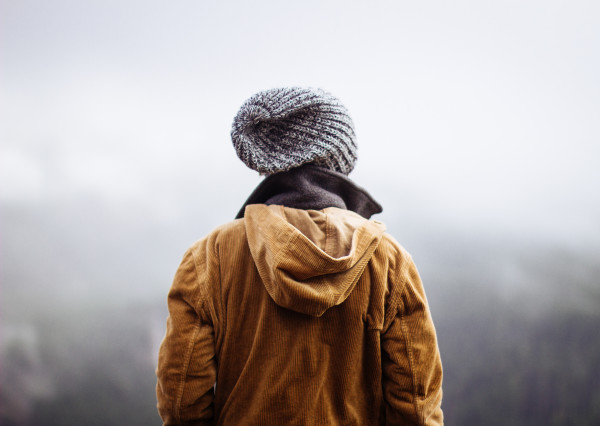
{"x":200,"y":298}
{"x":203,"y":297}
{"x":222,"y":320}
{"x":410,"y":359}
{"x":188,"y":356}
{"x":393,"y":304}
{"x":327,"y":235}
{"x":184,"y":371}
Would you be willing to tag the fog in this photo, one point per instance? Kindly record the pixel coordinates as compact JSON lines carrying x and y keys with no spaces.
{"x":478,"y":132}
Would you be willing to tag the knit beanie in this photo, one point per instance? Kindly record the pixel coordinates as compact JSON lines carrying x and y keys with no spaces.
{"x":279,"y":129}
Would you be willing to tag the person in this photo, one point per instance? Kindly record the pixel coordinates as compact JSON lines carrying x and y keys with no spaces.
{"x":302,"y":310}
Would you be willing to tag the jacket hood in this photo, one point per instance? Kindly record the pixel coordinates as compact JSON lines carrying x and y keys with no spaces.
{"x":310,"y":260}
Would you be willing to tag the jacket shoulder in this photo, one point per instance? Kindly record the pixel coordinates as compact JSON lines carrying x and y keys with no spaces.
{"x":401,"y":270}
{"x":222,"y":234}
{"x":397,"y":256}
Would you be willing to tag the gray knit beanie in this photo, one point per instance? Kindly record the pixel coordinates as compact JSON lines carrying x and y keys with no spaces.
{"x":279,"y":129}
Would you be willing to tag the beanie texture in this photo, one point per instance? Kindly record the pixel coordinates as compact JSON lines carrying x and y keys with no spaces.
{"x":279,"y":129}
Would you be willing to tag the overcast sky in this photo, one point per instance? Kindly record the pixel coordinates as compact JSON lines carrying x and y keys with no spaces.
{"x":470,"y":114}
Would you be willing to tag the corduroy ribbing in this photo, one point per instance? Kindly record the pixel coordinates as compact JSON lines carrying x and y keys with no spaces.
{"x":369,"y":360}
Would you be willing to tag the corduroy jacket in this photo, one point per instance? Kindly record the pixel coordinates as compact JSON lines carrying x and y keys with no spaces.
{"x":299,"y":317}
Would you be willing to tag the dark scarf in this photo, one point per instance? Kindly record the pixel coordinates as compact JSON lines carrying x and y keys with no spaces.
{"x":310,"y":187}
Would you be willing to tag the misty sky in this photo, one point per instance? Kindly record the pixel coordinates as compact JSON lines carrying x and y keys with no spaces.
{"x":476,"y":115}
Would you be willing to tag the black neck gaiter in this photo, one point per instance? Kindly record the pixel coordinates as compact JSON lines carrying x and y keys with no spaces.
{"x":310,"y":187}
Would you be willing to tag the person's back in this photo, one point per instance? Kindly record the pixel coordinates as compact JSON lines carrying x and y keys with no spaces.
{"x":302,"y":311}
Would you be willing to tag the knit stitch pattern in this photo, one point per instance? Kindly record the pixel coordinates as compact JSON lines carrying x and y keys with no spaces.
{"x":279,"y":129}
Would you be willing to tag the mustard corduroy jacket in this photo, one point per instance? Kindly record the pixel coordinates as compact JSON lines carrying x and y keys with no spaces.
{"x":299,"y":317}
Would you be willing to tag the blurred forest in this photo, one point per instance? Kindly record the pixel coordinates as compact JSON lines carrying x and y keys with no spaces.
{"x":517,"y":327}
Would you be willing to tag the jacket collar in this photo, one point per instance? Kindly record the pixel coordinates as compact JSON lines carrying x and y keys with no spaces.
{"x":310,"y":187}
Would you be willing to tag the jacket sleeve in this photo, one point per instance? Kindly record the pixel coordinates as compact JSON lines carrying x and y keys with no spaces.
{"x":411,"y":363}
{"x":186,"y":370}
